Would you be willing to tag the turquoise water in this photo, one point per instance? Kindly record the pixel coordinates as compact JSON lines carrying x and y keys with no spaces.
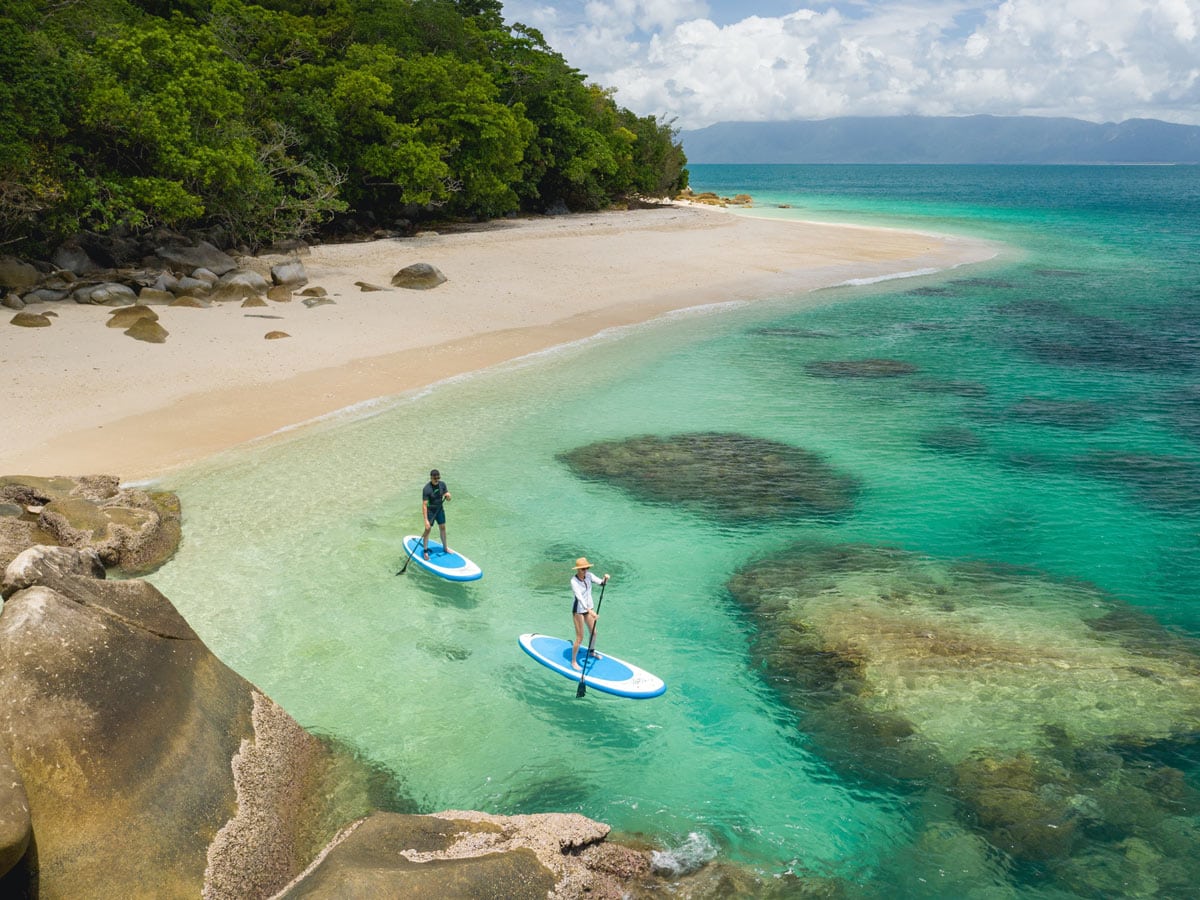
{"x":1053,"y":425}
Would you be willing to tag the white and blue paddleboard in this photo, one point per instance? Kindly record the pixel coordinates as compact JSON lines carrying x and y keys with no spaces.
{"x":452,"y":566}
{"x":606,"y":673}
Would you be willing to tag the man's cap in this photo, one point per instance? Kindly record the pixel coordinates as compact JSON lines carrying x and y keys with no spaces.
{"x":433,"y":472}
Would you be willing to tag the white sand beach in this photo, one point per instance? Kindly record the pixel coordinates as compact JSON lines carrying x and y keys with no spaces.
{"x":80,"y":398}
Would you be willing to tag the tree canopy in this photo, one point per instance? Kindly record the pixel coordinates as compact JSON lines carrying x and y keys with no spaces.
{"x":266,"y":120}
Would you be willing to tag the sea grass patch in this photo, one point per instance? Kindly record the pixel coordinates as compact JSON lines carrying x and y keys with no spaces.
{"x":861,"y":368}
{"x":727,"y":476}
{"x":1043,"y":710}
{"x":1160,"y":481}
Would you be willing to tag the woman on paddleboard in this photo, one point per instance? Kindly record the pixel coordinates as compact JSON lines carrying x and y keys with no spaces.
{"x":582,"y":609}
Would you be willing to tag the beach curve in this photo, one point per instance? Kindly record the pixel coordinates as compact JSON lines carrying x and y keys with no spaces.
{"x":83,"y":398}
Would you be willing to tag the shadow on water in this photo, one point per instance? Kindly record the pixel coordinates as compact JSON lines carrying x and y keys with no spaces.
{"x":449,"y":594}
{"x":600,"y":720}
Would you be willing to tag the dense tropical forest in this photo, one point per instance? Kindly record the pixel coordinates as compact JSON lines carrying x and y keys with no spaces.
{"x":255,"y":122}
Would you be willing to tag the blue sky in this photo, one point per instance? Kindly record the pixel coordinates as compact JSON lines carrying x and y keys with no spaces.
{"x":701,"y":62}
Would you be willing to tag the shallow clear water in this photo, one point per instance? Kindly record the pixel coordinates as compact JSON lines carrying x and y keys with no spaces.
{"x":1080,"y":345}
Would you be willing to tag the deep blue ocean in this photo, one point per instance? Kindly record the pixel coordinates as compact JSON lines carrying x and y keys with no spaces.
{"x":979,"y":678}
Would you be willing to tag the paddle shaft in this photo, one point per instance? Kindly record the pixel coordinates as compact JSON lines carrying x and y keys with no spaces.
{"x":409,"y":556}
{"x":582,"y":689}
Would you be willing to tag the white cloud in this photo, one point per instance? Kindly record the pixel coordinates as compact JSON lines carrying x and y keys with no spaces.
{"x":1092,"y":59}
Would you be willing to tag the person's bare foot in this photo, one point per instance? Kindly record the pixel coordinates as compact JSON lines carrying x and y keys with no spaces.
{"x":426,"y":554}
{"x":576,"y":667}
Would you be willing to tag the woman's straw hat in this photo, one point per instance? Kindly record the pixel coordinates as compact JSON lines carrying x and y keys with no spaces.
{"x":582,"y":563}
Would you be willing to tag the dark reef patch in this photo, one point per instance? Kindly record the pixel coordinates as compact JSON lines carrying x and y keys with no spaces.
{"x":953,"y":440}
{"x":861,"y":368}
{"x":734,"y":478}
{"x":1161,"y":481}
{"x":1035,"y":714}
{"x":1082,"y":415}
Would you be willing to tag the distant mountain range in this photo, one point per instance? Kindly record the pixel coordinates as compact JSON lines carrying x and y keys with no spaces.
{"x":944,"y":139}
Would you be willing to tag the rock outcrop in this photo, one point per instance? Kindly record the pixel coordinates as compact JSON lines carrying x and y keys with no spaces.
{"x":130,"y":529}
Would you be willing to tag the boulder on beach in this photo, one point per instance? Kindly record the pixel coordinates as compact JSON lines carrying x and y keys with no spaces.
{"x":202,"y":256}
{"x":30,"y":320}
{"x":147,"y":330}
{"x":418,"y":276}
{"x":105,"y":294}
{"x":17,"y":274}
{"x":125,"y":316}
{"x":291,"y":272}
{"x":187,"y":301}
{"x":735,"y":478}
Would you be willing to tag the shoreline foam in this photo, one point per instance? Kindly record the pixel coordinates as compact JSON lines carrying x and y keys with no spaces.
{"x":88,"y":399}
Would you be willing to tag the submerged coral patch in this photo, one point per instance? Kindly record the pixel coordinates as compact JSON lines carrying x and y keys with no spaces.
{"x":1040,"y":707}
{"x":952,"y":440}
{"x":860,"y":368}
{"x":1082,"y":415}
{"x":728,"y":476}
{"x":1158,"y":480}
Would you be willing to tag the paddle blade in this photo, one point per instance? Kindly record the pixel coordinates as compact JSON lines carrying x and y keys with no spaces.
{"x":582,"y":689}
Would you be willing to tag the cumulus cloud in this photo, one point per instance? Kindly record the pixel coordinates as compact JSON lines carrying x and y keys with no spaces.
{"x":1103,"y":60}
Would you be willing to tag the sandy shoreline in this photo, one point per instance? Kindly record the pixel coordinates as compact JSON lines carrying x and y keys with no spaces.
{"x":81,"y":398}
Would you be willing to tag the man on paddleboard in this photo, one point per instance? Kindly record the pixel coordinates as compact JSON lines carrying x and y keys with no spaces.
{"x":434,"y":495}
{"x":582,"y":608}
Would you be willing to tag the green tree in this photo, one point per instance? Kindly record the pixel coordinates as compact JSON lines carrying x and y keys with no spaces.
{"x":35,"y":101}
{"x":164,"y":112}
{"x":454,"y":107}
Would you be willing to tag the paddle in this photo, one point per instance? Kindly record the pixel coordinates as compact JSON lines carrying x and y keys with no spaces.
{"x":582,"y":689}
{"x":410,"y":555}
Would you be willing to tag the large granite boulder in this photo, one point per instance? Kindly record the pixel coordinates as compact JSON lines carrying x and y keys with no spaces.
{"x":202,"y":256}
{"x":34,"y":565}
{"x":30,"y":320}
{"x":125,"y":729}
{"x":418,"y":277}
{"x":131,"y":529}
{"x":735,"y":478}
{"x":17,"y":274}
{"x":16,"y":828}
